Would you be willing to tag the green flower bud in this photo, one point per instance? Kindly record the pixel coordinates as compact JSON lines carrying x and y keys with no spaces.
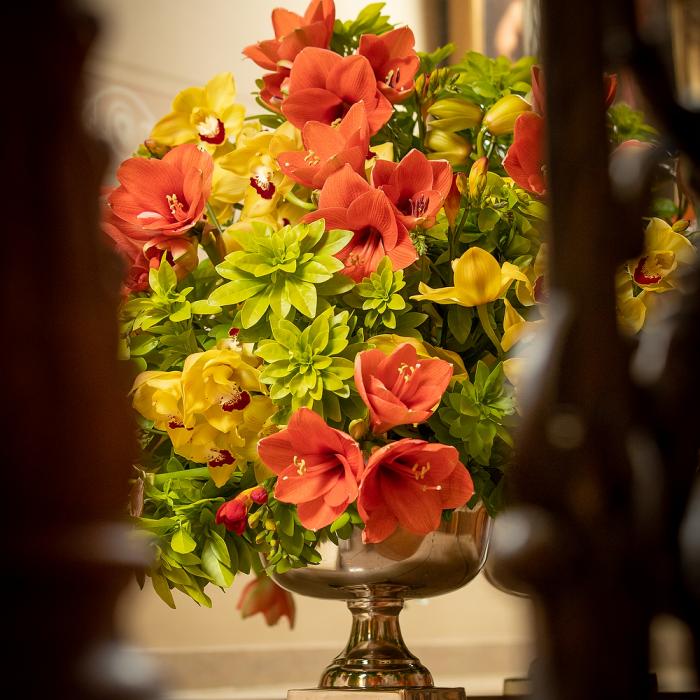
{"x":477,"y":178}
{"x":501,"y":116}
{"x":447,"y":145}
{"x":455,"y":114}
{"x":680,"y":225}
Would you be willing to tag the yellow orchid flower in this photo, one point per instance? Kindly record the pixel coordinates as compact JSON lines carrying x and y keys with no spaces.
{"x":253,"y":165}
{"x":478,"y":280}
{"x":516,"y":328}
{"x":534,"y":289}
{"x":631,"y":309}
{"x":217,"y":384}
{"x":207,"y":116}
{"x":157,"y":396}
{"x":664,"y":251}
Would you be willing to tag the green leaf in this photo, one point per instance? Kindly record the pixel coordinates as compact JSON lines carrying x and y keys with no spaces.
{"x":204,"y":307}
{"x":182,"y":542}
{"x":161,"y":587}
{"x":219,"y":573}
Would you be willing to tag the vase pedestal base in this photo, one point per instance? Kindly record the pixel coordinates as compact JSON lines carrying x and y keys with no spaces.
{"x":378,"y":694}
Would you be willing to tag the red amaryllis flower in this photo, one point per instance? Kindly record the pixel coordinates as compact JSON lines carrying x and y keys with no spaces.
{"x":319,"y":467}
{"x":416,"y":186}
{"x":328,"y":149}
{"x":180,"y":253}
{"x":165,"y":195}
{"x":323,"y":86}
{"x":263,"y":595}
{"x":234,"y":515}
{"x":393,"y":60}
{"x":292,"y":34}
{"x":524,"y":161}
{"x":400,"y":388}
{"x":410,"y":483}
{"x":348,"y":202}
{"x":538,"y":103}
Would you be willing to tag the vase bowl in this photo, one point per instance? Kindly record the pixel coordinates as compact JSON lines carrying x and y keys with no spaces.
{"x":375,"y":579}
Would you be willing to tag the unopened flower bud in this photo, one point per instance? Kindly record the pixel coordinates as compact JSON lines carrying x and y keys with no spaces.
{"x":454,"y":114}
{"x":358,"y":428}
{"x":452,"y":202}
{"x":270,"y":525}
{"x":259,"y":495}
{"x":501,"y":116}
{"x":233,"y":514}
{"x":462,"y":183}
{"x":680,"y":225}
{"x":477,"y":178}
{"x":157,"y":150}
{"x":448,"y":146}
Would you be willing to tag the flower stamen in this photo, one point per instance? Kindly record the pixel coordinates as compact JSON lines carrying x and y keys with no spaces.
{"x":175,"y":205}
{"x":419,"y":472}
{"x":300,"y":464}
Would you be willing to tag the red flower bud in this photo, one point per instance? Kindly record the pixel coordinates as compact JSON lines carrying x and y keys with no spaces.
{"x":233,"y":514}
{"x":258,"y":495}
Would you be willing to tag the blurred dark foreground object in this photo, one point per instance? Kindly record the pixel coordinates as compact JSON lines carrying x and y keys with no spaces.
{"x":603,"y":530}
{"x":67,"y":442}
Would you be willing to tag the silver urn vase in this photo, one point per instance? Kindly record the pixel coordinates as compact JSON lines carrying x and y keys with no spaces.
{"x":375,"y":579}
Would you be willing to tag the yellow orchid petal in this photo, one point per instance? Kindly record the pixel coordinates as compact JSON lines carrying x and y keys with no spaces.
{"x":477,"y":277}
{"x":513,"y":369}
{"x":220,"y":92}
{"x":444,"y":295}
{"x":220,"y":475}
{"x":513,"y":326}
{"x":510,"y":273}
{"x":174,"y":129}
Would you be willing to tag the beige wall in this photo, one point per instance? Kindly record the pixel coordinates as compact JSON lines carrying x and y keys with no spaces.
{"x":149,"y":50}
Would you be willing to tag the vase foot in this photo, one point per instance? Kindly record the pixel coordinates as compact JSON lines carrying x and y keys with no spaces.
{"x":378,"y":694}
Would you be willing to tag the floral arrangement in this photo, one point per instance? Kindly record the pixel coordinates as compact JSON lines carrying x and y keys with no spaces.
{"x":320,"y":299}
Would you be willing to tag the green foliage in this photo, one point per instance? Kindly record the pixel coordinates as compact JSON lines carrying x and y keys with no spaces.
{"x":309,"y":367}
{"x":279,"y":270}
{"x":474,"y":413}
{"x":379,"y":298}
{"x":370,"y":20}
{"x":484,"y":80}
{"x":430,"y":61}
{"x":627,"y":123}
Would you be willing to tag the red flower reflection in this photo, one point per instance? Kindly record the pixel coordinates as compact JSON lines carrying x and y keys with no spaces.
{"x":524,"y":161}
{"x":263,"y":595}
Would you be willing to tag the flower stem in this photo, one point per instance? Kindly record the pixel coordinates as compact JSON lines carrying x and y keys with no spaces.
{"x":210,"y":239}
{"x":480,"y":142}
{"x":213,"y":219}
{"x":198,"y":473}
{"x":293,"y":199}
{"x":486,"y":324}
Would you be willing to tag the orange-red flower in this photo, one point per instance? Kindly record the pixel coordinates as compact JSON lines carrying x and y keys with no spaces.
{"x":328,"y":149}
{"x":323,"y":86}
{"x":292,"y":34}
{"x":417,"y":187}
{"x":348,"y":202}
{"x":393,"y":60}
{"x":263,"y":595}
{"x":400,"y":388}
{"x":319,"y":468}
{"x":524,"y":161}
{"x":180,"y":252}
{"x":234,"y":515}
{"x":410,"y":483}
{"x":165,"y":196}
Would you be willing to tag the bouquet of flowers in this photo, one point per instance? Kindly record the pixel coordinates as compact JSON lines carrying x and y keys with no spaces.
{"x":320,"y":298}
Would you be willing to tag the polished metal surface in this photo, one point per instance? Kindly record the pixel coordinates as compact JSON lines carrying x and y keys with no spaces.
{"x":382,"y":694}
{"x":423,"y":565}
{"x":375,"y":579}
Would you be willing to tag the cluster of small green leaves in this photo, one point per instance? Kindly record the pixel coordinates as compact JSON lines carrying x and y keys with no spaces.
{"x":310,"y":367}
{"x":484,"y":80}
{"x":473,"y":414}
{"x":504,"y":220}
{"x":370,"y":20}
{"x":380,"y":298}
{"x":190,"y":549}
{"x":279,"y":270}
{"x":161,"y":327}
{"x":626,"y":123}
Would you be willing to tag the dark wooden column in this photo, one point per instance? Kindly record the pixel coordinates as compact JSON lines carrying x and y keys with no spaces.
{"x":67,"y":441}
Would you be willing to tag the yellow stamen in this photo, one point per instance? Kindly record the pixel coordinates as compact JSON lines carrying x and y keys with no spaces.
{"x":420,"y":471}
{"x":300,"y":464}
{"x":174,"y":204}
{"x":407,"y":371}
